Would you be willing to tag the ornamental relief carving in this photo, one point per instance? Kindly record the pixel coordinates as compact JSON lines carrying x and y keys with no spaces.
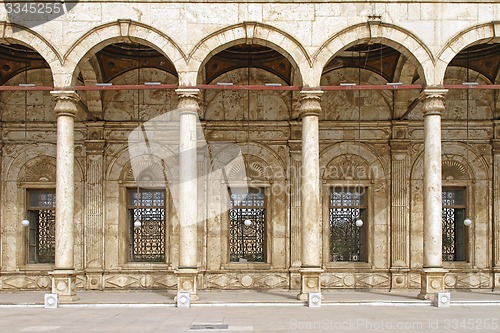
{"x":250,"y":281}
{"x":41,"y":169}
{"x":453,"y":170}
{"x":355,"y":280}
{"x":254,"y":169}
{"x":146,"y":169}
{"x":347,"y":167}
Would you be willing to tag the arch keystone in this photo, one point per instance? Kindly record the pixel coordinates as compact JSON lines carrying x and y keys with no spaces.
{"x":249,"y":27}
{"x":124,"y":27}
{"x":374,"y":26}
{"x":496,"y":29}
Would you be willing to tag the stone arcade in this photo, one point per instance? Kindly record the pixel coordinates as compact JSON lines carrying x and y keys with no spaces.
{"x":369,"y":132}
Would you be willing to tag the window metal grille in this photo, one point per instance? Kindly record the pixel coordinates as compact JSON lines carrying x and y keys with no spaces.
{"x":42,"y":216}
{"x":147,"y":242}
{"x":247,"y":242}
{"x":453,"y":229}
{"x":347,"y":241}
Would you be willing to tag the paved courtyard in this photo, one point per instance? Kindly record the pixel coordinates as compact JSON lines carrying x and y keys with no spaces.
{"x":217,"y":311}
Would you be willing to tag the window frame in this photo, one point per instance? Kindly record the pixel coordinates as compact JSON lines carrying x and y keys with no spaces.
{"x":367,"y":223}
{"x":466,"y":230}
{"x":127,"y":227}
{"x":268,"y":232}
{"x":28,"y":189}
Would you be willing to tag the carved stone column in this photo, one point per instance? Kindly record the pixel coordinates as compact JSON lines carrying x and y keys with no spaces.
{"x":496,"y":205}
{"x":432,"y":280}
{"x":94,"y":199}
{"x":309,"y":195}
{"x":188,"y":204}
{"x":400,"y":203}
{"x":63,"y":276}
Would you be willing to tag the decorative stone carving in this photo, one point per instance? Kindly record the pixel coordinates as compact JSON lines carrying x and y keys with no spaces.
{"x":260,"y":281}
{"x":254,"y":168}
{"x":41,"y":169}
{"x":347,"y":167}
{"x":453,"y":170}
{"x":355,"y":280}
{"x":160,"y":280}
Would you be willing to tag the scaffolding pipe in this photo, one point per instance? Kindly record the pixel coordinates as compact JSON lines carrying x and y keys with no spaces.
{"x":248,"y":87}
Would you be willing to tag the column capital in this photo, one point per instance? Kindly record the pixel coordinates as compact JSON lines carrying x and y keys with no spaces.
{"x":66,"y":102}
{"x":310,"y":102}
{"x":433,"y":101}
{"x":188,"y":100}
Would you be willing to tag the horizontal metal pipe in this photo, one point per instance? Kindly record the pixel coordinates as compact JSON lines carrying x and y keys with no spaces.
{"x":249,"y":87}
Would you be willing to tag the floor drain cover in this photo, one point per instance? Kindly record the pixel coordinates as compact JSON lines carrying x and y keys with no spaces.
{"x":209,"y":327}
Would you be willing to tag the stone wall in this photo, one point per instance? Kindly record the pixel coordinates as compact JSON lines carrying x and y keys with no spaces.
{"x":359,"y":130}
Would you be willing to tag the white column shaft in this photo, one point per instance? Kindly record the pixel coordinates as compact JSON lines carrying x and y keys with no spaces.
{"x":65,"y":182}
{"x":432,"y":107}
{"x":188,"y":188}
{"x":65,"y":190}
{"x":310,"y":201}
{"x":432,"y":194}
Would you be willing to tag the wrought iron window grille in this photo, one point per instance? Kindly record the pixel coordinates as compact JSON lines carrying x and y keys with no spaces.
{"x":453,"y":228}
{"x":147,"y":243}
{"x":347,"y":240}
{"x":247,"y":230}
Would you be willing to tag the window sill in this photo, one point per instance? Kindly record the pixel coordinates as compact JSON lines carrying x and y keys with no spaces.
{"x":348,"y":265}
{"x":246,"y":266}
{"x":146,"y":265}
{"x":37,"y":267}
{"x":457,"y":265}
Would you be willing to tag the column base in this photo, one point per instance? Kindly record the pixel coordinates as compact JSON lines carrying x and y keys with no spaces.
{"x":63,"y":284}
{"x":432,"y":281}
{"x":187,"y":282}
{"x":310,"y":282}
